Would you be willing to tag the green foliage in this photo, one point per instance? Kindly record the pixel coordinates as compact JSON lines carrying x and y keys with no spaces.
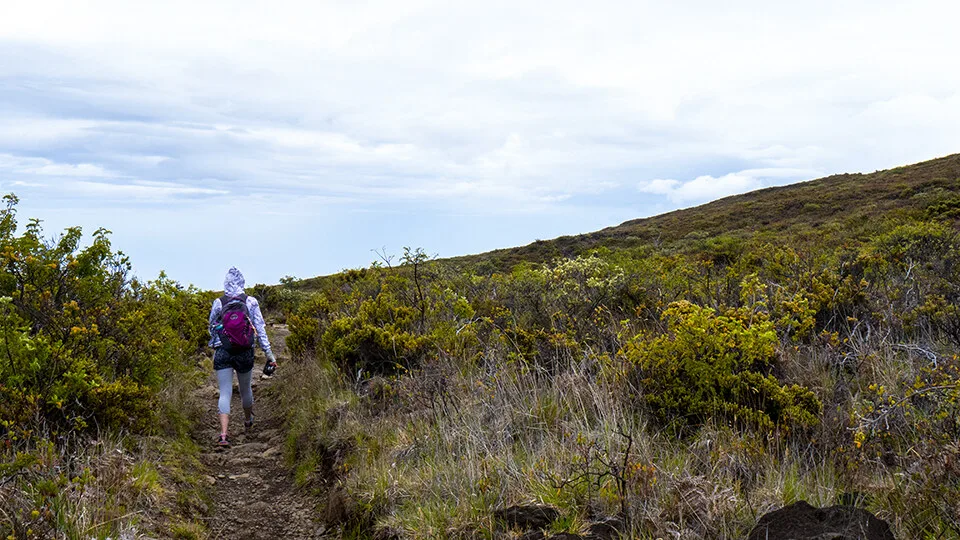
{"x":379,"y":339}
{"x":85,"y":352}
{"x":915,"y":268}
{"x":279,"y":300}
{"x":305,"y":325}
{"x":81,"y":345}
{"x":828,"y":311}
{"x":710,"y":365}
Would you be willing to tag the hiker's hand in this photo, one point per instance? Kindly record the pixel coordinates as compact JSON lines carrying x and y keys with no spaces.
{"x":271,"y":358}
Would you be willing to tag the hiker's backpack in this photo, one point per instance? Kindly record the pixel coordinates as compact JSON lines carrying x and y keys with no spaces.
{"x":236,"y":326}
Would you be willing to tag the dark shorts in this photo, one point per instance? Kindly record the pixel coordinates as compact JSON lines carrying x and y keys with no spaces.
{"x":241,"y":362}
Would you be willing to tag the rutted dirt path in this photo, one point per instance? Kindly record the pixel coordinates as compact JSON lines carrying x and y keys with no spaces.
{"x":253,"y":493}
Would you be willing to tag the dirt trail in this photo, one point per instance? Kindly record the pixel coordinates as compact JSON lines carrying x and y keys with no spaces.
{"x":253,"y":493}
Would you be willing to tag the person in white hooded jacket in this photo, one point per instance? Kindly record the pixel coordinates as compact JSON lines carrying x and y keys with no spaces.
{"x":225,"y":362}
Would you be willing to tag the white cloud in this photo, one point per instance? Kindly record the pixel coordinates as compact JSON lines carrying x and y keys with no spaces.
{"x":659,"y":186}
{"x":16,"y":130}
{"x":20,"y":183}
{"x":473,"y":107}
{"x":31,"y":166}
{"x":84,"y":180}
{"x":85,"y":170}
{"x":155,"y":191}
{"x":700,"y":189}
{"x":707,"y":188}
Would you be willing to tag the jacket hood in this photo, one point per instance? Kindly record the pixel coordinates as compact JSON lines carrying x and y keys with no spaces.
{"x":233,"y":283}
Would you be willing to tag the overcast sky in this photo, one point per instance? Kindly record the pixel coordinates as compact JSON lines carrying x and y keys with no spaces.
{"x":293,"y":138}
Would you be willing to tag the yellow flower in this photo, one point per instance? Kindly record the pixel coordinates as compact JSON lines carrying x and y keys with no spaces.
{"x":859,"y":438}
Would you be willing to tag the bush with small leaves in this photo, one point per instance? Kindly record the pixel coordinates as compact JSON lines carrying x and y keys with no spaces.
{"x":709,"y":365}
{"x":84,"y":346}
{"x":380,"y":339}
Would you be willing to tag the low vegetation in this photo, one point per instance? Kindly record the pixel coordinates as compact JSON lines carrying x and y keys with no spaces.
{"x":95,"y":369}
{"x":684,"y":383}
{"x":832,"y":209}
{"x":678,"y":376}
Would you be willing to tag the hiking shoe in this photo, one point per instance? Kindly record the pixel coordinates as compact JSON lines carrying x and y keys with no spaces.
{"x":223,"y":441}
{"x":248,"y":423}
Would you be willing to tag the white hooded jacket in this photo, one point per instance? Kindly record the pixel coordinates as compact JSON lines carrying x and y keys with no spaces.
{"x":232,"y":288}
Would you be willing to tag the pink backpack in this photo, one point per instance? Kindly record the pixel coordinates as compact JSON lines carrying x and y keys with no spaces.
{"x":236,"y":326}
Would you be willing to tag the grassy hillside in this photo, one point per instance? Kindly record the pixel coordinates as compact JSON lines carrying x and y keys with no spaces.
{"x":675,"y":377}
{"x":840,"y":207}
{"x":671,"y":377}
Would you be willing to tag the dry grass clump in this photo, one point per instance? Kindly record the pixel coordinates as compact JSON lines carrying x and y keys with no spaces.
{"x":99,"y":490}
{"x":112,"y":486}
{"x":683,"y":389}
{"x":434,"y":453}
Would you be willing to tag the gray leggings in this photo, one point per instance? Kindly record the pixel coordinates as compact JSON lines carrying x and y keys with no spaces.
{"x":225,"y":378}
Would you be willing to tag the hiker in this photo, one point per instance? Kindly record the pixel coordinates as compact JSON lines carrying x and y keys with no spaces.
{"x":235,"y":325}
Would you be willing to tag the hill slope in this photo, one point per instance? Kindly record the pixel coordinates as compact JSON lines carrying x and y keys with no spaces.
{"x":708,"y":365}
{"x":852,"y":202}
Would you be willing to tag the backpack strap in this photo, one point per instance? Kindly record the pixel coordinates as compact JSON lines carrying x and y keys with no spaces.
{"x":224,"y":300}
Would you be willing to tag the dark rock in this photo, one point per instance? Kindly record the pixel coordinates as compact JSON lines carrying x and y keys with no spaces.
{"x":566,"y":536}
{"x":605,"y":529}
{"x":527,"y":517}
{"x":533,"y":535}
{"x":800,"y":521}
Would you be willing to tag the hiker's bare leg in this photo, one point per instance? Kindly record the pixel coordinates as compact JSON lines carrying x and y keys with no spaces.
{"x":224,"y":423}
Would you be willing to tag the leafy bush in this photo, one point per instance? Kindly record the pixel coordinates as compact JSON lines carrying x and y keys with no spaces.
{"x":85,"y":350}
{"x":710,"y":365}
{"x":82,"y":345}
{"x":379,"y":339}
{"x":914,"y":270}
{"x":279,"y":300}
{"x":306,"y":325}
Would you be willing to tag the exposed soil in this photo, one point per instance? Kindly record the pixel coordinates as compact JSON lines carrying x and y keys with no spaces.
{"x":253,"y":494}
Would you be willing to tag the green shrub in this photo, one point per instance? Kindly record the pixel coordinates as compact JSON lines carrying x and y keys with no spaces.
{"x":279,"y":300}
{"x":84,"y":346}
{"x":708,"y":365}
{"x":307,"y":324}
{"x":378,"y":340}
{"x":85,"y":350}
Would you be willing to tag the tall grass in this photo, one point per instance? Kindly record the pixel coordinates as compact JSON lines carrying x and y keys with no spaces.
{"x":434,"y":453}
{"x":686,"y":376}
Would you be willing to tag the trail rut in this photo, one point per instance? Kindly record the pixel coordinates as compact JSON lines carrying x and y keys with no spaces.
{"x":254,"y":496}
